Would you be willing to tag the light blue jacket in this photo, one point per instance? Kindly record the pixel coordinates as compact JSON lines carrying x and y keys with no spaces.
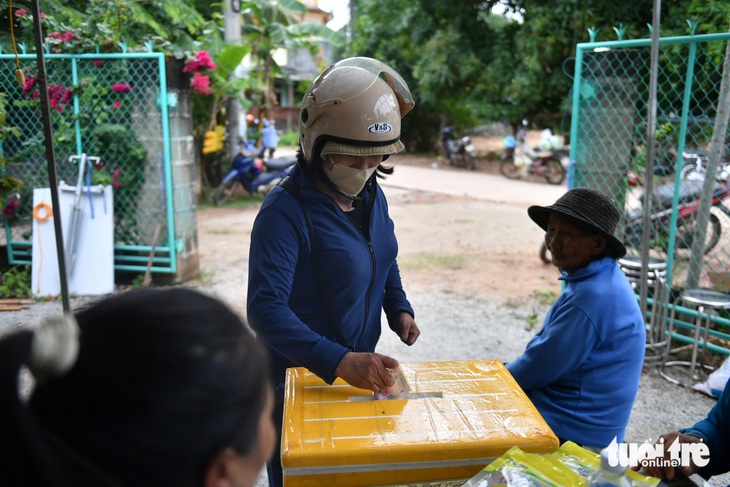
{"x":582,"y":369}
{"x":285,"y":306}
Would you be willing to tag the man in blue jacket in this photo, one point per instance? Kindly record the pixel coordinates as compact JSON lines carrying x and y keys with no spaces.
{"x":714,"y":431}
{"x":582,"y":369}
{"x":322,"y":263}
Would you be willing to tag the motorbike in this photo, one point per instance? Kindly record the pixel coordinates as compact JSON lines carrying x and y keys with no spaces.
{"x":695,"y":167}
{"x":251,"y":171}
{"x":521,"y":160}
{"x":459,"y":152}
{"x":688,"y":207}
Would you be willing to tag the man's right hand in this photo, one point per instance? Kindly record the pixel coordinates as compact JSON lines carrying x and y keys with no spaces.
{"x":668,"y":472}
{"x":367,"y":370}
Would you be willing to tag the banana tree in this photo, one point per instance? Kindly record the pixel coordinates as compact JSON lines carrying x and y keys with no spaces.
{"x":270,"y":25}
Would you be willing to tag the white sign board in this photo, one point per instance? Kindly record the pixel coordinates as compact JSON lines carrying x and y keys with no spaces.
{"x":92,"y":269}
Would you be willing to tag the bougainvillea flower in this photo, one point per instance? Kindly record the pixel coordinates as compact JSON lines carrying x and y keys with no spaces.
{"x":199,"y":62}
{"x":121,"y":88}
{"x":201,"y":84}
{"x":98,"y":63}
{"x":21,"y":12}
{"x":29,"y":84}
{"x":116,"y":104}
{"x":68,"y":36}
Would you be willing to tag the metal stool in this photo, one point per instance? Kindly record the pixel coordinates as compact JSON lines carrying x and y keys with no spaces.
{"x":656,"y":337}
{"x":703,"y":300}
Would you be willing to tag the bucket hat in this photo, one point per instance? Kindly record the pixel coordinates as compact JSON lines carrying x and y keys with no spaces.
{"x":590,"y":207}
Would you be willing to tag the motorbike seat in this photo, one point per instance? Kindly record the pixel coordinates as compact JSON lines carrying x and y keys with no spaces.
{"x":280,"y":163}
{"x":688,"y":191}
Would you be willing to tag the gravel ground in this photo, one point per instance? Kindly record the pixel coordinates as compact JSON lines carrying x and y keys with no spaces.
{"x":476,"y":328}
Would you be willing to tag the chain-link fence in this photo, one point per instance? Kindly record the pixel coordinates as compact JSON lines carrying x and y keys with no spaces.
{"x":113,"y":106}
{"x":689,"y":227}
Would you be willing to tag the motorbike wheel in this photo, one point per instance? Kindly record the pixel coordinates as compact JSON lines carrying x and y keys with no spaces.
{"x":554,"y":172}
{"x":470,"y":162}
{"x":545,"y":254}
{"x":509,"y":170}
{"x":690,"y":173}
{"x":686,"y":229}
{"x":224,"y":191}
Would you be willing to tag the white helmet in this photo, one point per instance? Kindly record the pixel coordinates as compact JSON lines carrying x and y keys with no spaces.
{"x":354,"y":107}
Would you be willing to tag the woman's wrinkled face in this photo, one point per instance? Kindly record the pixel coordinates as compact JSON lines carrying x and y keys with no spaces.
{"x":571,"y":246}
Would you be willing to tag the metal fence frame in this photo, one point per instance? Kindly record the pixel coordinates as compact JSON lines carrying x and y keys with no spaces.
{"x":135,"y":257}
{"x":611,"y":176}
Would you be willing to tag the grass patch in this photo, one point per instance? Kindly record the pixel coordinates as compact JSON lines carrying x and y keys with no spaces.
{"x":239,"y":202}
{"x":545,"y":297}
{"x":427,"y":260}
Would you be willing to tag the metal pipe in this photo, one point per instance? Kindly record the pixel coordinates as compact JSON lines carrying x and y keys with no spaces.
{"x":50,"y":154}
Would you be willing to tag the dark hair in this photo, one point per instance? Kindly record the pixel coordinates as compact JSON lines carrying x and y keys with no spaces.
{"x":164,"y":381}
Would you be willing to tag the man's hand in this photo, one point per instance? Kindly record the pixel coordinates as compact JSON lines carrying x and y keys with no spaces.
{"x":367,"y":370}
{"x":668,"y":472}
{"x":405,"y":326}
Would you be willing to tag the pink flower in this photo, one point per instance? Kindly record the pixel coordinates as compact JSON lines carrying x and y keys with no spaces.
{"x":121,"y":88}
{"x":29,"y":84}
{"x":116,"y":104}
{"x":68,"y":36}
{"x":98,"y":63}
{"x":199,"y":62}
{"x":201,"y":84}
{"x":42,"y":15}
{"x":21,"y":12}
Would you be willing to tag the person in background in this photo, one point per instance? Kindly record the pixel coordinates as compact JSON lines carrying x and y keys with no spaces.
{"x":269,"y":137}
{"x":582,"y":369}
{"x":147,"y":388}
{"x":714,"y":431}
{"x":322,"y":262}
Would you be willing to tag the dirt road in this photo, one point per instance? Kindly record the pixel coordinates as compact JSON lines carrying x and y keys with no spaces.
{"x":476,"y":241}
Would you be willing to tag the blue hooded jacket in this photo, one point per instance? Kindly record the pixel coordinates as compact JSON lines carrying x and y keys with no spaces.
{"x":582,"y":369}
{"x":285,"y":306}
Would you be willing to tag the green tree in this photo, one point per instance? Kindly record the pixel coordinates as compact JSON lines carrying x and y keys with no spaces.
{"x":269,"y":25}
{"x":469,"y":65}
{"x":174,"y":25}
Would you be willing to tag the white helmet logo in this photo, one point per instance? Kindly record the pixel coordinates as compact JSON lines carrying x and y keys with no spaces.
{"x":380,"y":128}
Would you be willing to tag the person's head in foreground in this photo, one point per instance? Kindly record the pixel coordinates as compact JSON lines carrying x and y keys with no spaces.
{"x":350,"y":122}
{"x":150,"y":387}
{"x":579,"y":228}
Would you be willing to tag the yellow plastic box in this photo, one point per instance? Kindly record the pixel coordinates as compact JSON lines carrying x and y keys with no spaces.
{"x":457,"y":418}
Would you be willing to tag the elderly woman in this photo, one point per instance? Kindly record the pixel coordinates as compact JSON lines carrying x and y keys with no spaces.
{"x":582,"y":369}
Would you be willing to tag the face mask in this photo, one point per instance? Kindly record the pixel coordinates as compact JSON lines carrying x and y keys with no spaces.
{"x":349,"y":180}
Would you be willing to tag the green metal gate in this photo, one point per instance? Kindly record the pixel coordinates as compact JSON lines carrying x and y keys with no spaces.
{"x":114,"y":106}
{"x":608,"y":145}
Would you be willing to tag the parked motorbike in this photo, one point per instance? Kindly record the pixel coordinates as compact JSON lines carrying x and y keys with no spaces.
{"x":255,"y":174}
{"x":459,"y":152}
{"x":688,"y":207}
{"x":695,"y":167}
{"x":520,"y":160}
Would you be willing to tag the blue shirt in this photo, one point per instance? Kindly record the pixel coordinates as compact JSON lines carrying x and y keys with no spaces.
{"x":285,"y":305}
{"x":582,"y":369}
{"x":715,"y":430}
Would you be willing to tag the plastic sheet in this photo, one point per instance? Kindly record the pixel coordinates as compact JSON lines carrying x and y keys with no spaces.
{"x":457,"y":418}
